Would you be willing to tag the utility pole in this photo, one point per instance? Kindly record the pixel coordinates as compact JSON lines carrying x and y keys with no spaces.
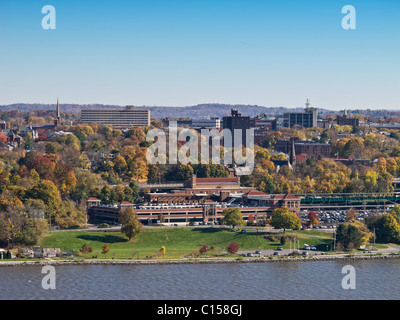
{"x":334,"y":240}
{"x":365,"y":212}
{"x":257,"y":222}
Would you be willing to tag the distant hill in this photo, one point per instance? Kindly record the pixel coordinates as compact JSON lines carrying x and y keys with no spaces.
{"x":70,"y":108}
{"x":197,"y":111}
{"x":213,"y":110}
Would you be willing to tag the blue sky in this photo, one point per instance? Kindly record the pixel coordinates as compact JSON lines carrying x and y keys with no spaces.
{"x":186,"y":52}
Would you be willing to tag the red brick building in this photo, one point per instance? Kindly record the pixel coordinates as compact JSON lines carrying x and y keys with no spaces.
{"x":202,"y":200}
{"x":197,"y":190}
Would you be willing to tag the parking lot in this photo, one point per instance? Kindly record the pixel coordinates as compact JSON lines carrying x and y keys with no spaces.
{"x":329,"y":217}
{"x":277,"y":252}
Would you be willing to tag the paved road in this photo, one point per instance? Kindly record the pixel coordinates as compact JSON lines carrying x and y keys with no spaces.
{"x":391,"y":249}
{"x":283,"y":252}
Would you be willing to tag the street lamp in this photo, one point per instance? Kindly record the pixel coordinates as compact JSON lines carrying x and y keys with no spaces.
{"x":334,"y":240}
{"x":257,"y":222}
{"x":375,"y":237}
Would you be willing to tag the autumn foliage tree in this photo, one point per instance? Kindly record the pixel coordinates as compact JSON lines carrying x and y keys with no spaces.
{"x":233,"y":217}
{"x":204,"y":249}
{"x":163,"y":250}
{"x":130,"y":224}
{"x":351,"y":215}
{"x":44,"y":167}
{"x":348,"y":236}
{"x":65,"y":177}
{"x":86,"y":249}
{"x":46,"y":191}
{"x":281,"y":218}
{"x":233,"y":247}
{"x":3,"y":139}
{"x":105,"y":249}
{"x":313,"y":218}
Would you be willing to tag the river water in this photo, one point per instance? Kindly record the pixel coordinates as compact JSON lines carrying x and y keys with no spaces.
{"x":315,"y":280}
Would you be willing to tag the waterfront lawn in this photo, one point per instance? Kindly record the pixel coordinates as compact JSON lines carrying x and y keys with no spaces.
{"x":179,"y":242}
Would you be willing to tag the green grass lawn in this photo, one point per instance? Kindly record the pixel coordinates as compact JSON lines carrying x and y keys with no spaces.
{"x":178,"y":242}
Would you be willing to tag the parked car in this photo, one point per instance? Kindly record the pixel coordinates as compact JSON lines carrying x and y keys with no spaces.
{"x":280,"y":248}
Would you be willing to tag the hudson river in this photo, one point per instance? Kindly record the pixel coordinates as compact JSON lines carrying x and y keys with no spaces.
{"x":375,"y":280}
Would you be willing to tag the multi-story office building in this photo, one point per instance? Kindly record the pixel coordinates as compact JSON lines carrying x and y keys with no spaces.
{"x":213,"y":123}
{"x":236,"y":121}
{"x":180,"y":123}
{"x":118,"y":118}
{"x":312,"y":149}
{"x":345,"y":120}
{"x":264,"y":122}
{"x":261,"y":124}
{"x":197,"y":124}
{"x":306,"y":119}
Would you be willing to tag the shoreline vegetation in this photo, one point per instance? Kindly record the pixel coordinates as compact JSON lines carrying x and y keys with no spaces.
{"x":374,"y":256}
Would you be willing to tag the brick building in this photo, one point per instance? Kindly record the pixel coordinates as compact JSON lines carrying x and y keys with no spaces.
{"x":312,"y":149}
{"x":198,"y":190}
{"x":201,"y":200}
{"x":236,"y":121}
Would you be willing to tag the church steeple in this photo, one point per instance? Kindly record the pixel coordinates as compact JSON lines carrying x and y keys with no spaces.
{"x":58,"y":110}
{"x":57,"y":122}
{"x":292,"y":158}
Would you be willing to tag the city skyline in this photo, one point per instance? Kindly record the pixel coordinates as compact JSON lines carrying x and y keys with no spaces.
{"x":153,"y":53}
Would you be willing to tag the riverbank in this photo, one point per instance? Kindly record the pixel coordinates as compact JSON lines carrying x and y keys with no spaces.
{"x":180,"y":242}
{"x":182,"y":247}
{"x":199,"y":260}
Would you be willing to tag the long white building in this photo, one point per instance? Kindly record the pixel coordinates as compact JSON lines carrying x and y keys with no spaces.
{"x":118,"y":118}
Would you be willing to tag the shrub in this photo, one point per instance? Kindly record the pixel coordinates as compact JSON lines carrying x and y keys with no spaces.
{"x":271,"y":238}
{"x":233,"y":247}
{"x":204,"y":249}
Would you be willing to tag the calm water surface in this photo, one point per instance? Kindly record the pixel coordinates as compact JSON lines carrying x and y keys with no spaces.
{"x":316,"y":280}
